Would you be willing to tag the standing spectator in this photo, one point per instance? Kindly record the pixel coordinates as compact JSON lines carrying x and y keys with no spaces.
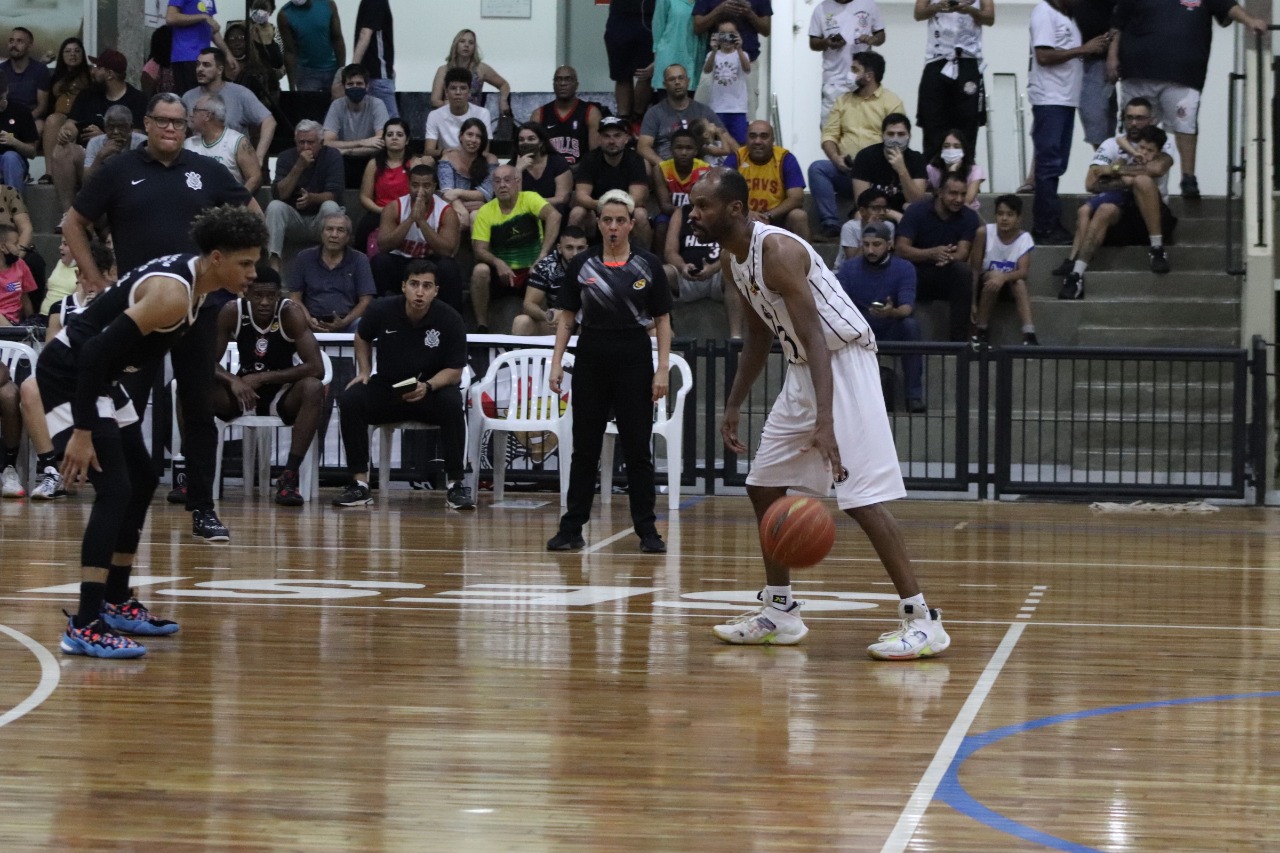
{"x":261,"y":65}
{"x":193,"y":27}
{"x":1053,"y":88}
{"x":1161,"y":50}
{"x":245,"y":113}
{"x":314,"y":48}
{"x":332,"y":282}
{"x":856,"y":122}
{"x":213,"y":138}
{"x":71,"y":76}
{"x":728,"y":65}
{"x":509,"y":234}
{"x":419,"y":225}
{"x":754,"y":19}
{"x":936,"y":238}
{"x":542,"y":170}
{"x":1002,"y":258}
{"x":306,"y":189}
{"x":466,"y":173}
{"x":873,"y":206}
{"x":612,"y":166}
{"x":1097,"y":95}
{"x":18,"y":138}
{"x":675,"y":42}
{"x":674,"y":178}
{"x":839,"y":30}
{"x":464,"y":55}
{"x":354,"y":124}
{"x":543,"y":286}
{"x":386,"y":178}
{"x":951,"y":90}
{"x":883,"y":287}
{"x":375,"y":50}
{"x":29,"y":81}
{"x":157,"y":71}
{"x":774,"y":179}
{"x":677,"y":110}
{"x":572,"y":124}
{"x":444,"y":124}
{"x":956,"y":155}
{"x":628,"y":43}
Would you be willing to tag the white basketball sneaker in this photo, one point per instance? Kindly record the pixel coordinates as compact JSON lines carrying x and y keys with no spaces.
{"x":765,"y":626}
{"x":920,"y":635}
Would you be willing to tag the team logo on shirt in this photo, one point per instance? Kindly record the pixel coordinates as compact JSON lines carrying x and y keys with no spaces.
{"x":432,"y":339}
{"x":193,"y":181}
{"x":260,"y":347}
{"x":639,"y":284}
{"x":1191,"y":4}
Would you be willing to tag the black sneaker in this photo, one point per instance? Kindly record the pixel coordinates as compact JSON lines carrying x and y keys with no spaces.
{"x":1056,"y":236}
{"x":459,"y":497}
{"x":917,"y":407}
{"x":1190,"y":188}
{"x":356,"y":494}
{"x":1064,"y":268}
{"x":1029,"y":339}
{"x":653,"y":544}
{"x":206,"y":525}
{"x":178,"y":495}
{"x":980,"y":340}
{"x":287,"y":492}
{"x":565,"y":542}
{"x":1159,"y":261}
{"x":1072,"y":286}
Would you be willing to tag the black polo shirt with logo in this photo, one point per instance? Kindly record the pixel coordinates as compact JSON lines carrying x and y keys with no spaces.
{"x":405,"y":349}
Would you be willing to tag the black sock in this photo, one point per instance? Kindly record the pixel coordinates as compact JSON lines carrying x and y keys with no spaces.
{"x":91,"y":594}
{"x":293,"y":463}
{"x":117,"y":590}
{"x":10,"y":457}
{"x":46,"y":460}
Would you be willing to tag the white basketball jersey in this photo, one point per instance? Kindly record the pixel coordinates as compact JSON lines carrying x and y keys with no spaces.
{"x":224,"y":150}
{"x":842,"y":324}
{"x":1001,"y":257}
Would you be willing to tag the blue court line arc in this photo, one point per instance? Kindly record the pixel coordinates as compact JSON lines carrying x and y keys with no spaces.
{"x":952,"y":792}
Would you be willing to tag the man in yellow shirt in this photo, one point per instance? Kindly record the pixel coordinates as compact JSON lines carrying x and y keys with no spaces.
{"x":774,"y":180}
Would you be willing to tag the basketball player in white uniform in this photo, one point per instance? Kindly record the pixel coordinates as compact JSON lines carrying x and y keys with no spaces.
{"x":833,"y":378}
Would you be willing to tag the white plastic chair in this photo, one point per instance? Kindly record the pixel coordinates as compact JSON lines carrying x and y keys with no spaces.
{"x":12,"y":354}
{"x":667,"y":425}
{"x":517,"y":383}
{"x":256,"y":446}
{"x":386,"y":433}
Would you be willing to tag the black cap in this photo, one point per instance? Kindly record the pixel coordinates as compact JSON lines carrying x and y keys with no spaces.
{"x":615,"y":121}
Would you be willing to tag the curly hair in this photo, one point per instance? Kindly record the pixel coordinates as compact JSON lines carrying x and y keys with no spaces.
{"x":229,"y":229}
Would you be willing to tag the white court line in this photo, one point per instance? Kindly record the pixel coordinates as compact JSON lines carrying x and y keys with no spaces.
{"x":909,"y":820}
{"x":49,"y":675}
{"x":591,"y":549}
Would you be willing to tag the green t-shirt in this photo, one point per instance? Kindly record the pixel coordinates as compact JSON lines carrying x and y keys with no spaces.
{"x":515,"y":238}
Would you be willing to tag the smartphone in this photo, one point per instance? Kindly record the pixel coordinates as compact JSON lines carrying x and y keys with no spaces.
{"x":406,"y":383}
{"x":838,"y":38}
{"x":877,"y":305}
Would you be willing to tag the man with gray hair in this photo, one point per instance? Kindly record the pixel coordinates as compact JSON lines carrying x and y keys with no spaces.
{"x":332,"y":282}
{"x":229,"y":147}
{"x":307,"y":187}
{"x":244,"y":111}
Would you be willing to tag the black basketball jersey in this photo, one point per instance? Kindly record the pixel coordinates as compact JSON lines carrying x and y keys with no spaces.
{"x":66,"y":306}
{"x":693,"y":250}
{"x":570,"y":135}
{"x":262,"y":349}
{"x":113,"y":302}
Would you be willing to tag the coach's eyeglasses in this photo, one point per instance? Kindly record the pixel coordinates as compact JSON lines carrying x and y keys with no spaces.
{"x":164,"y":122}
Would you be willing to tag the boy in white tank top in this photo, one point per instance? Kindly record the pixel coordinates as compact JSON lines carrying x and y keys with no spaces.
{"x":833,"y":378}
{"x":1001,"y":257}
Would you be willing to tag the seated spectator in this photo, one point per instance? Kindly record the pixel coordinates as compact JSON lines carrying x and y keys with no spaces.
{"x":157,"y":72}
{"x":572,"y":124}
{"x":674,"y":178}
{"x":244,"y":112}
{"x":543,"y":286}
{"x":729,"y":67}
{"x":256,"y":48}
{"x":710,"y":146}
{"x":444,"y":124}
{"x":386,"y":178}
{"x":464,"y":55}
{"x":892,"y":166}
{"x":354,"y":124}
{"x":774,"y":180}
{"x":883,"y":287}
{"x":332,"y":283}
{"x":465,"y":173}
{"x":307,"y":185}
{"x":1002,"y":258}
{"x":856,"y":122}
{"x":1129,"y":203}
{"x":18,"y":138}
{"x":693,"y":271}
{"x":311,"y":34}
{"x":509,"y":234}
{"x":14,"y":213}
{"x":542,"y":170}
{"x":214,"y":139}
{"x":420,"y":225}
{"x":422,"y":349}
{"x":71,"y":76}
{"x":873,"y":206}
{"x":677,"y":110}
{"x":955,"y":157}
{"x":612,"y":166}
{"x":936,"y":237}
{"x":840,"y":30}
{"x":269,"y":331}
{"x":62,"y":282}
{"x":29,"y":81}
{"x":16,"y":281}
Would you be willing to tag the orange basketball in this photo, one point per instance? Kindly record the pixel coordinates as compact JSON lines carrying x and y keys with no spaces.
{"x":797,"y":532}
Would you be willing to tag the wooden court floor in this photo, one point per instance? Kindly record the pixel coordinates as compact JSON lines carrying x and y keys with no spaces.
{"x":404,"y":678}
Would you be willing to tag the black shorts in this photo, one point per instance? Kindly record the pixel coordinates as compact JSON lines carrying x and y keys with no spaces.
{"x":629,"y":48}
{"x":269,"y":397}
{"x":56,"y":377}
{"x":1131,"y":230}
{"x":945,"y":103}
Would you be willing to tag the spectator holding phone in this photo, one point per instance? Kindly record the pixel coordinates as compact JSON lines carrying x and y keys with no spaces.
{"x":728,"y":65}
{"x":840,"y":30}
{"x":951,"y":93}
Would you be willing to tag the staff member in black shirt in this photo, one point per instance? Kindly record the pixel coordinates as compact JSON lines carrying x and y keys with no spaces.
{"x":150,"y":196}
{"x":422,"y":350}
{"x":620,"y":291}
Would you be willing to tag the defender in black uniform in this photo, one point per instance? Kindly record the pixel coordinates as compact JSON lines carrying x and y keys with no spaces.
{"x":422,"y":350}
{"x":620,"y":291}
{"x":125,"y":331}
{"x":279,"y":374}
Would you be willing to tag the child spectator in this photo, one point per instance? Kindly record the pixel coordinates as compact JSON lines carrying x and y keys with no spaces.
{"x":16,"y":282}
{"x":674,"y":179}
{"x":1002,"y":257}
{"x":956,"y":156}
{"x":711,"y":148}
{"x":728,"y":65}
{"x":873,"y":206}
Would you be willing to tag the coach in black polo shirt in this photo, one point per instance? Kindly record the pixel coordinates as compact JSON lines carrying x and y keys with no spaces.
{"x":936,"y":236}
{"x":150,"y":196}
{"x":422,"y":351}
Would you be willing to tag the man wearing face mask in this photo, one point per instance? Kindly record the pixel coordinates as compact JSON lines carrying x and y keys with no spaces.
{"x":891,"y":166}
{"x":883,"y":286}
{"x":354,"y":123}
{"x":854,"y":123}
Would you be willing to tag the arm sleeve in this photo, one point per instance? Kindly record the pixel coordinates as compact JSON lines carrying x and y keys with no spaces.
{"x":332,"y":122}
{"x":907,"y":285}
{"x":433,"y":126}
{"x":792,"y":174}
{"x":446,"y":175}
{"x":91,"y":150}
{"x":91,"y":201}
{"x":862,"y":164}
{"x":1043,"y":32}
{"x":815,"y":22}
{"x":481,"y":226}
{"x":255,"y":112}
{"x":368,"y":326}
{"x":908,"y":226}
{"x":569,"y":296}
{"x":486,"y":186}
{"x":28,"y":280}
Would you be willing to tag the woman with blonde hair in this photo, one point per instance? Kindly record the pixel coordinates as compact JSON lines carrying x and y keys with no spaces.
{"x":464,"y":53}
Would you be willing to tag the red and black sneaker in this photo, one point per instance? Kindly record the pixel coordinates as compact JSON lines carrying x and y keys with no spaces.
{"x":287,"y":493}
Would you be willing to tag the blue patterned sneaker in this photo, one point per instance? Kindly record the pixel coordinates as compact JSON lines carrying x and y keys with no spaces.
{"x":132,"y":617}
{"x":96,"y":640}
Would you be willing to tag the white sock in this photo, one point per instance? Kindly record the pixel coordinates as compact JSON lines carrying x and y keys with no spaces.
{"x":362,"y":483}
{"x":1080,"y":267}
{"x":1157,"y":241}
{"x":778,"y":596}
{"x":917,"y":605}
{"x":1029,"y":329}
